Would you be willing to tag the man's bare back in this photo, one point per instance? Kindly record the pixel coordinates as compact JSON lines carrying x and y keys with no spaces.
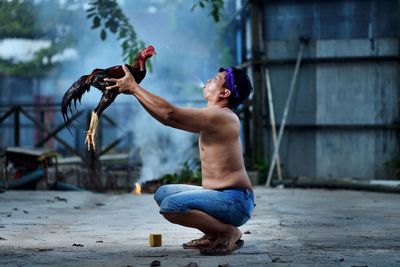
{"x":221,"y":157}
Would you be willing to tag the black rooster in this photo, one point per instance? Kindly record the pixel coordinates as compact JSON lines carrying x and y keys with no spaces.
{"x":96,"y":79}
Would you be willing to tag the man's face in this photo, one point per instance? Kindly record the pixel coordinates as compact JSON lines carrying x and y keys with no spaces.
{"x":214,"y":86}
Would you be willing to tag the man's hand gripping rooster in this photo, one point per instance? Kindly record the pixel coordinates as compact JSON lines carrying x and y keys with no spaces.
{"x":100,"y":79}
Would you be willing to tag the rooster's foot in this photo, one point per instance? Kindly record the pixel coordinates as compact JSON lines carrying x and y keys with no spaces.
{"x":90,"y":139}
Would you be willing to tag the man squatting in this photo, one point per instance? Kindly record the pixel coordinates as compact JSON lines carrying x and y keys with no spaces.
{"x":225,"y":200}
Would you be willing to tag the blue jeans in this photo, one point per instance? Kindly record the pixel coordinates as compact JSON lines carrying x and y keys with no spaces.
{"x":231,"y":206}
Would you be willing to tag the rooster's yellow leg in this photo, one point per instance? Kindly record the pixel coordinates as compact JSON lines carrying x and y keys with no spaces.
{"x":91,"y":132}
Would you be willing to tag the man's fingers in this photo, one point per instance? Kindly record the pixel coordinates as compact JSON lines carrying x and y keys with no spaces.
{"x":125,"y":68}
{"x":115,"y":86}
{"x":110,"y":80}
{"x":128,"y":73}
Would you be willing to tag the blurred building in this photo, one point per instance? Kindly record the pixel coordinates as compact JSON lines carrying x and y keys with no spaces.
{"x":31,"y":91}
{"x":344,"y":116}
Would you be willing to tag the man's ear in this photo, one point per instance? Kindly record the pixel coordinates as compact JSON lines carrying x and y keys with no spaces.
{"x":225,"y":94}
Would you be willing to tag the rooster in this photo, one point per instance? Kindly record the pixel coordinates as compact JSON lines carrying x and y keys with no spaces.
{"x":96,"y":79}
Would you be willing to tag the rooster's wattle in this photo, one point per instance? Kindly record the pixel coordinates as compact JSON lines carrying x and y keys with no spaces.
{"x":96,"y":79}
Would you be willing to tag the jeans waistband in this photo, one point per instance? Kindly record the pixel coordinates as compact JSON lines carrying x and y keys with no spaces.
{"x":248,"y":190}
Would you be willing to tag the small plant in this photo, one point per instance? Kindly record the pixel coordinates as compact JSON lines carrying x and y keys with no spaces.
{"x":396,"y":165}
{"x":186,"y":175}
{"x":262,"y":166}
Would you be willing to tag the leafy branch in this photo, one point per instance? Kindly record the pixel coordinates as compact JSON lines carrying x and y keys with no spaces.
{"x":107,"y":15}
{"x":216,"y":7}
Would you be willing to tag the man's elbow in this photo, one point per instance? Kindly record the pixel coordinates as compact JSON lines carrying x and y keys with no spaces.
{"x":168,"y":117}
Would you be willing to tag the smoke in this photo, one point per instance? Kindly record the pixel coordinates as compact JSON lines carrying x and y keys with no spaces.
{"x":185,"y":60}
{"x":161,"y":149}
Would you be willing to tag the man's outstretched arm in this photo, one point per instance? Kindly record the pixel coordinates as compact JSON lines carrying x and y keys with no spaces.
{"x":188,"y":119}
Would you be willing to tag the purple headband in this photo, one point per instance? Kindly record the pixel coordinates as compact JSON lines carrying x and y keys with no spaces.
{"x":230,"y":81}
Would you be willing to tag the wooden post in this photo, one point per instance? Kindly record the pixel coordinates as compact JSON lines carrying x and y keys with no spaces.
{"x":258,"y":96}
{"x":285,"y":112}
{"x":272,"y":119}
{"x":16,"y":126}
{"x":42,"y":121}
{"x":247,"y":139}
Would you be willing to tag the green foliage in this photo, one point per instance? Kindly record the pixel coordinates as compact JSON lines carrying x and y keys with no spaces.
{"x":396,"y":164}
{"x":40,"y":65}
{"x":262,"y":167}
{"x":107,"y":15}
{"x":216,"y":7}
{"x":184,"y":176}
{"x":32,"y":68}
{"x":17,"y":19}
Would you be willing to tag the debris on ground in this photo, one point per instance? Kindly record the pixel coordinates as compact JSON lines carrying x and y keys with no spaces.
{"x":276,"y":260}
{"x":155,"y":263}
{"x":60,"y":199}
{"x":309,"y":236}
{"x":339,"y":260}
{"x":77,"y":245}
{"x":44,"y":249}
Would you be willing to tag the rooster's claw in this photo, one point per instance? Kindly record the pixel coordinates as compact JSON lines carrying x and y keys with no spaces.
{"x":90,"y":139}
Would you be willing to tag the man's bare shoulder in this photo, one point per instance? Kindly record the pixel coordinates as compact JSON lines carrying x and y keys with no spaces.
{"x":222,"y":117}
{"x":224,"y":112}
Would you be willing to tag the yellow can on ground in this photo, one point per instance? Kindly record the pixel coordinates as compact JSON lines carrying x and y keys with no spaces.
{"x":155,"y":240}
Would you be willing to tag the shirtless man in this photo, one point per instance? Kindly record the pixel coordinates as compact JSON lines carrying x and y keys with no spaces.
{"x":225,"y":200}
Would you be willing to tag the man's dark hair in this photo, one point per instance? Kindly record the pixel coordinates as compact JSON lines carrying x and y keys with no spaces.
{"x":244,"y":87}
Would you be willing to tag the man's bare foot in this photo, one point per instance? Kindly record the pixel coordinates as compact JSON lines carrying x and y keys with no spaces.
{"x":225,"y":244}
{"x":230,"y":237}
{"x":202,"y":242}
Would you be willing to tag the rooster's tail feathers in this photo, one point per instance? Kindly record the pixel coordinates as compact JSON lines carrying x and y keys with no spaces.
{"x":75,"y":92}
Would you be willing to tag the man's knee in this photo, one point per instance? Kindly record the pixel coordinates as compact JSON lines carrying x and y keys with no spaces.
{"x":159,"y":195}
{"x":163,"y":192}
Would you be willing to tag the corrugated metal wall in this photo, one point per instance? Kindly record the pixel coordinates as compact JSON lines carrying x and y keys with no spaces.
{"x":344,"y":115}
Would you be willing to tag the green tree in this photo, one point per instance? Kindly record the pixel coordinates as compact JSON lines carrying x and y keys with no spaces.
{"x":19,"y":19}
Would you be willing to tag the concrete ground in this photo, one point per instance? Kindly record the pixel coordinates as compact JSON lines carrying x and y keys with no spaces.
{"x":290,"y":227}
